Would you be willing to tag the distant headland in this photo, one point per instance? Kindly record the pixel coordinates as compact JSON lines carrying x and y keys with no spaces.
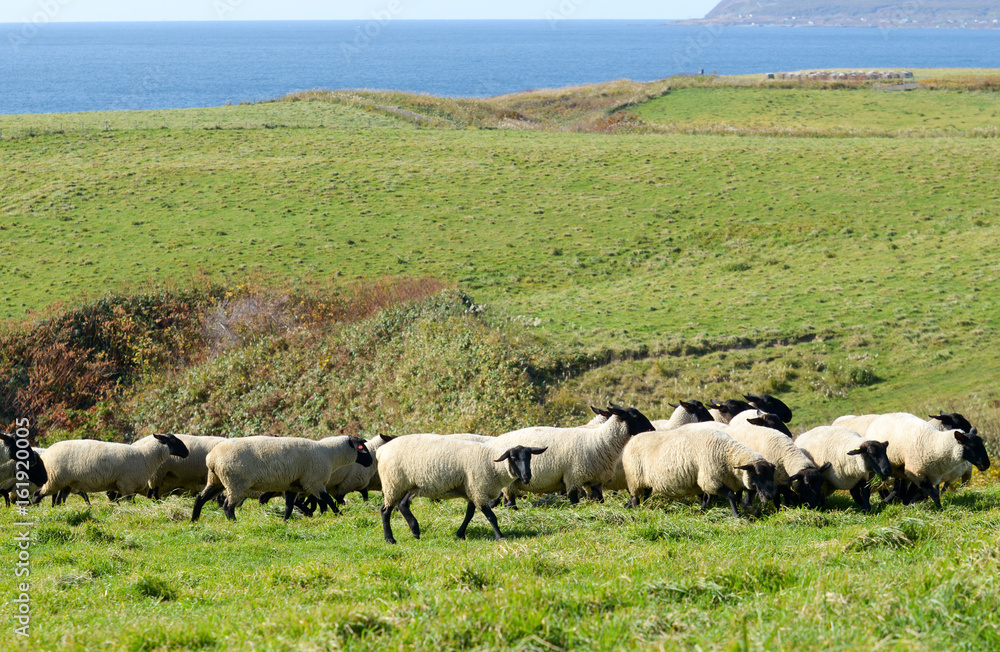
{"x":855,"y":13}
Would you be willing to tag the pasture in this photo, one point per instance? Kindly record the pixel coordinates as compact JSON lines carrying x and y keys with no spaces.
{"x":596,"y":577}
{"x":642,"y":243}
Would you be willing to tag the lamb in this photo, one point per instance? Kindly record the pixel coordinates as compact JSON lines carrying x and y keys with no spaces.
{"x":86,"y":466}
{"x":771,"y":405}
{"x":186,"y":474}
{"x":684,"y":413}
{"x":578,"y":458}
{"x":796,"y":474}
{"x":695,"y":459}
{"x":287,"y":464}
{"x":20,"y":468}
{"x":853,"y":460}
{"x":924,"y":456}
{"x":439,"y":467}
{"x":725,"y":411}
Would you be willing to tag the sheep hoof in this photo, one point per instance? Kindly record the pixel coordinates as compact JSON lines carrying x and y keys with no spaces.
{"x":389,"y":540}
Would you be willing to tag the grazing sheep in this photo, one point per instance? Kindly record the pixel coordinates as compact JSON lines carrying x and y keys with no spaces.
{"x":796,"y":474}
{"x":771,"y":405}
{"x":286,"y":464}
{"x":187,"y":474}
{"x":439,"y":467}
{"x":86,"y":466}
{"x":684,"y":412}
{"x":695,"y":459}
{"x":852,"y":460}
{"x":578,"y":458}
{"x":725,"y":411}
{"x":20,"y":465}
{"x":924,"y":456}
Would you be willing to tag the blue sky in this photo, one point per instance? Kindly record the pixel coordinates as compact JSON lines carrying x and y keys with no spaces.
{"x":14,"y":11}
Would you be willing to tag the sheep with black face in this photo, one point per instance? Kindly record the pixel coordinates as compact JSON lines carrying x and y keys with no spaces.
{"x":771,"y":405}
{"x":290,"y":465}
{"x":852,"y":459}
{"x":21,"y":468}
{"x":725,"y":411}
{"x":798,"y":477}
{"x":695,"y":459}
{"x":578,"y":458}
{"x":85,"y":466}
{"x":441,"y":467}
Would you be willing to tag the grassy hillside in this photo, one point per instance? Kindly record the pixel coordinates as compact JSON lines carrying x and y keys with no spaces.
{"x":372,"y":262}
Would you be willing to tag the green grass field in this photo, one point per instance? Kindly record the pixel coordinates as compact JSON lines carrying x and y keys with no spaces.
{"x":832,"y":246}
{"x":590,"y":577}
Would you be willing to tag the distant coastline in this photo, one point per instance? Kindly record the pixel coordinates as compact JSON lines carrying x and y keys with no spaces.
{"x":925,"y":14}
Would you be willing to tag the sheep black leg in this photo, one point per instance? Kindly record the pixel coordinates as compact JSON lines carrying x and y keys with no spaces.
{"x":492,"y":518}
{"x":85,"y":497}
{"x":574,"y":496}
{"x":266,"y":497}
{"x":386,"y":527}
{"x":510,"y":502}
{"x":597,"y":492}
{"x":364,"y":495}
{"x":340,"y":499}
{"x":731,"y":496}
{"x":289,"y":504}
{"x":932,"y":491}
{"x":302,"y":504}
{"x":6,"y":498}
{"x":636,"y":498}
{"x":229,"y":509}
{"x":706,"y":500}
{"x":790,"y":498}
{"x":411,"y":520}
{"x":207,"y":494}
{"x":858,"y":494}
{"x":470,"y":511}
{"x":325,"y":499}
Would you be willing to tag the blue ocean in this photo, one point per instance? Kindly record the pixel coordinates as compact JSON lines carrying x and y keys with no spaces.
{"x":58,"y":67}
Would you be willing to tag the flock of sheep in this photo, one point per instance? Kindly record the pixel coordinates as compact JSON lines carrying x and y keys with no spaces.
{"x":737,"y":449}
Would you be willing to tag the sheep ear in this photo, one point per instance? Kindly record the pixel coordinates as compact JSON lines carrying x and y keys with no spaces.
{"x":745,"y":467}
{"x":688,"y":406}
{"x":538,"y":451}
{"x":597,"y":411}
{"x":793,"y":478}
{"x":163,"y":439}
{"x":961,"y":437}
{"x":616,"y":410}
{"x":505,"y":456}
{"x":973,"y":431}
{"x":856,"y":451}
{"x":387,"y":438}
{"x":757,"y":421}
{"x":676,"y":406}
{"x":825,"y":467}
{"x":751,"y":397}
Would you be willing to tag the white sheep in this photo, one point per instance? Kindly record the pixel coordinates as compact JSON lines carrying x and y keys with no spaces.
{"x":684,"y":413}
{"x":86,"y":466}
{"x":187,"y":474}
{"x":270,"y":464}
{"x":924,"y":456}
{"x":348,"y":478}
{"x":577,"y":458}
{"x":852,"y":459}
{"x":797,"y":476}
{"x":953,"y":421}
{"x":695,"y":459}
{"x":439,"y":467}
